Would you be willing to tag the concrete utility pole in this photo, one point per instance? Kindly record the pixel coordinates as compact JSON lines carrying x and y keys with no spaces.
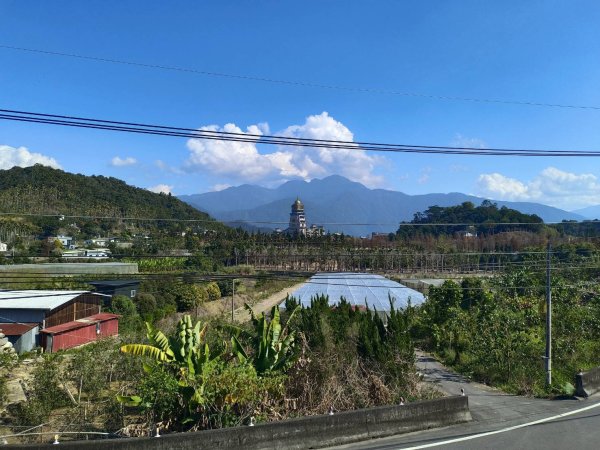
{"x":548,"y":356}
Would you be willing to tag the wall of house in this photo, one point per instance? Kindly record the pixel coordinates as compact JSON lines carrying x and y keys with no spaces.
{"x":73,"y":338}
{"x":22,"y":315}
{"x":120,"y":290}
{"x":84,"y":305}
{"x":109,"y":327}
{"x":126,"y":290}
{"x":26,"y":342}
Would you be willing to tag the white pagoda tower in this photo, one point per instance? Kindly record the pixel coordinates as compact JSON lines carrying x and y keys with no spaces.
{"x":297,"y":219}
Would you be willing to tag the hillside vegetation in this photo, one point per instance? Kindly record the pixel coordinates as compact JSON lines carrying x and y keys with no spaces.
{"x":39,"y":202}
{"x":466,"y":217}
{"x":44,"y":190}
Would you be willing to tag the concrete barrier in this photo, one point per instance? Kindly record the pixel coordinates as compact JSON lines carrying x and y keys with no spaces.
{"x":587,"y":383}
{"x":306,"y":432}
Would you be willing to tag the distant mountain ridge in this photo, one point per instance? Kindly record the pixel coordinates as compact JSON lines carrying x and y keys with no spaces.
{"x":590,"y":212}
{"x":342,"y":205}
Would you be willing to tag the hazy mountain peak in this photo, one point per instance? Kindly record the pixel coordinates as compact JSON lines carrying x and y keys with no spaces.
{"x":336,"y":199}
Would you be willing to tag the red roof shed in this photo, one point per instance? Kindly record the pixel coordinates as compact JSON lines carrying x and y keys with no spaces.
{"x":16,"y":329}
{"x":79,"y":332}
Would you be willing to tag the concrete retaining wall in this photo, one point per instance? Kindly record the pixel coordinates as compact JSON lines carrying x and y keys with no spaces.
{"x":306,"y":432}
{"x":587,"y":383}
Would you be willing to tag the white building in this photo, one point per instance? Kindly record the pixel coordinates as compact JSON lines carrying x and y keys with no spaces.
{"x":298,"y":225}
{"x":66,"y":241}
{"x":297,"y":219}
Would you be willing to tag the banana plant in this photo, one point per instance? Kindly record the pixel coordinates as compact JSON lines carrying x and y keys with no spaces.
{"x":273,"y":345}
{"x":185,"y":352}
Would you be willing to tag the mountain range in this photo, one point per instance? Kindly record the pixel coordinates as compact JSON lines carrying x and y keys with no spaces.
{"x":340,"y":205}
{"x":590,"y":212}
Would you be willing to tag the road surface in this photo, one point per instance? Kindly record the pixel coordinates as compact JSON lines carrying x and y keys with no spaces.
{"x":500,"y":421}
{"x":242,"y":314}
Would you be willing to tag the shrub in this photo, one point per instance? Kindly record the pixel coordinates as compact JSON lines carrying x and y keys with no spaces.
{"x":213,"y":291}
{"x":146,"y":304}
{"x":123,"y":305}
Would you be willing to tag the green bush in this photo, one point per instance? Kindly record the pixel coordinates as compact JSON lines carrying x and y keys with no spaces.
{"x":123,"y":305}
{"x":213,"y":291}
{"x":146,"y":305}
{"x":159,"y":391}
{"x":189,"y":296}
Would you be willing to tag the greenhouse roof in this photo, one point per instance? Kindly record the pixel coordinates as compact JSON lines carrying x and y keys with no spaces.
{"x":358,"y":289}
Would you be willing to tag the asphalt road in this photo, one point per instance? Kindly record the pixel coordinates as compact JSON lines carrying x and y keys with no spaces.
{"x":500,"y":421}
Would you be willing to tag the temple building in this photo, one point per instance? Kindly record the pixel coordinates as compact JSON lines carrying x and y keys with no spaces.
{"x":297,"y":219}
{"x":298,"y":223}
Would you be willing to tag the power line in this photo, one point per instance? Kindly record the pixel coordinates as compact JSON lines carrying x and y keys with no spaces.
{"x":249,"y":137}
{"x":161,"y":130}
{"x":277,"y":222}
{"x":298,"y":83}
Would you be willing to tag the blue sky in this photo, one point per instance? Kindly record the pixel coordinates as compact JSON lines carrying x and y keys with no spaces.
{"x":538,"y":51}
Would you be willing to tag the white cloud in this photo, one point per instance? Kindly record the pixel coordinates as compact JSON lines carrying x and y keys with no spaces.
{"x":468,"y":142}
{"x":242,"y":161}
{"x":164,"y":188}
{"x":458,"y":168}
{"x":425,"y":175}
{"x":220,"y":187}
{"x":167,"y":168}
{"x":504,"y":188}
{"x":552,"y":186}
{"x":122,"y":162}
{"x":22,"y":157}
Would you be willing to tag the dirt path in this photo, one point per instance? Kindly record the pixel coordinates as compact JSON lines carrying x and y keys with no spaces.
{"x":242,"y":315}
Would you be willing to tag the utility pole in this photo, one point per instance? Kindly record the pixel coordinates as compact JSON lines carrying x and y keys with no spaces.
{"x":232,"y":296}
{"x":548,"y":356}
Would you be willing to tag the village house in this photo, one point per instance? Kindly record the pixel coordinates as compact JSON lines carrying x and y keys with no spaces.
{"x":128,"y":288}
{"x":66,"y":241}
{"x":30,"y":318}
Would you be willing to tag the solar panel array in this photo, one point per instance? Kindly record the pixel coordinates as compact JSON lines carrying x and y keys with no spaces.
{"x":358,"y":289}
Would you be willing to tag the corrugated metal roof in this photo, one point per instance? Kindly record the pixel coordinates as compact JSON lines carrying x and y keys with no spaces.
{"x":58,"y":269}
{"x":33,"y":299}
{"x":102,"y":317}
{"x":358,"y":289}
{"x":79,"y":323}
{"x":68,"y":326}
{"x":16,"y":329}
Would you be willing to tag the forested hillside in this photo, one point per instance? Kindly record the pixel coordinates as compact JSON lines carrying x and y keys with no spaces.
{"x":39,"y":202}
{"x":44,"y":190}
{"x":466,"y":217}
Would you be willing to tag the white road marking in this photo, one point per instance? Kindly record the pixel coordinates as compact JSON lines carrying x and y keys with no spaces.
{"x":503,"y":430}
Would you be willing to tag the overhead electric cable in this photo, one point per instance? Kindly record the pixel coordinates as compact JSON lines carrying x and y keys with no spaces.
{"x":276,"y":222}
{"x":298,"y":83}
{"x":129,"y":127}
